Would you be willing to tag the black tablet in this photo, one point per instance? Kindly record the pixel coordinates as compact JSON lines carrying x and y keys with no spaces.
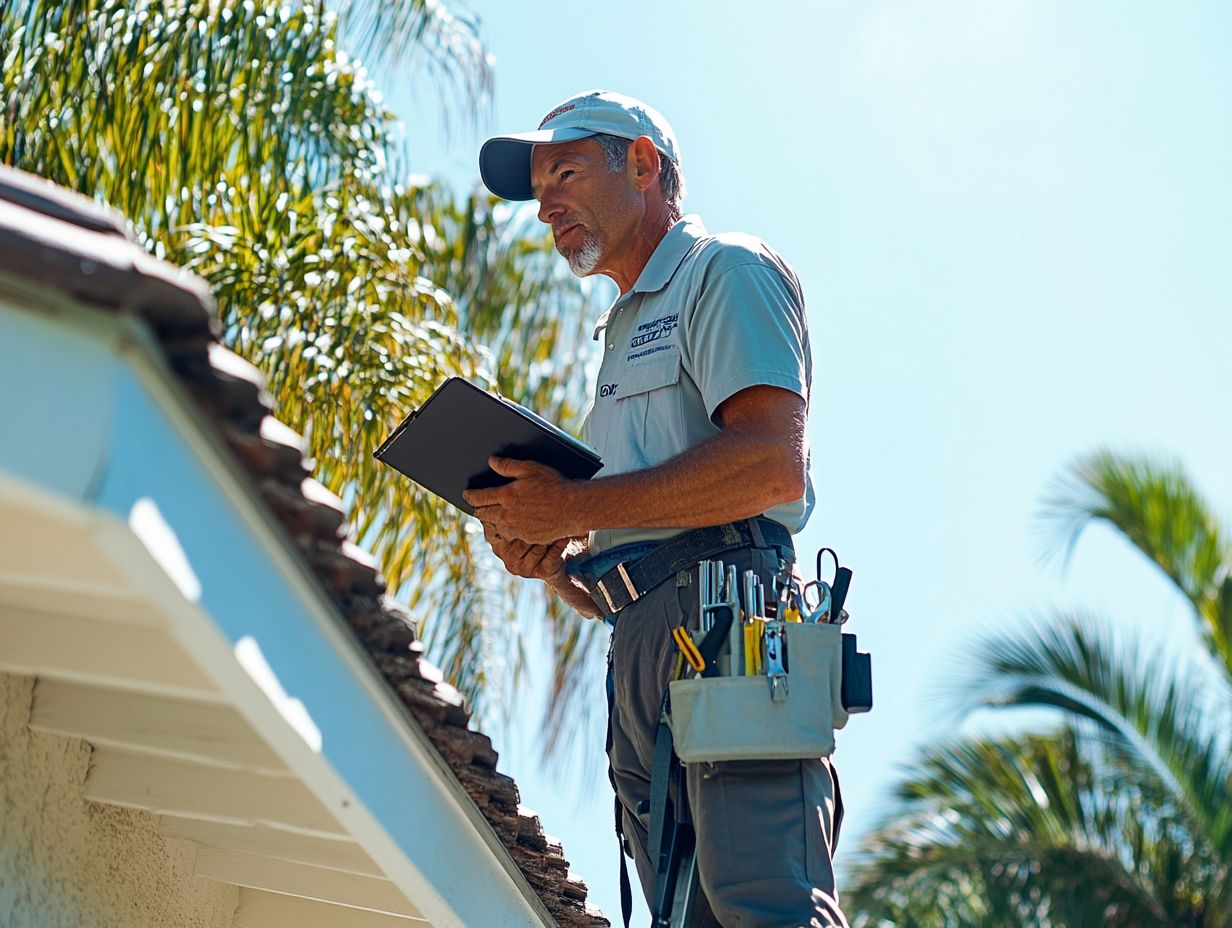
{"x":444,"y":446}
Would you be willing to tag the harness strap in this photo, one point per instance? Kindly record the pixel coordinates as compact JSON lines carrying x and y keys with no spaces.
{"x":660,"y":777}
{"x":663,"y":847}
{"x":626,"y":889}
{"x":759,"y":540}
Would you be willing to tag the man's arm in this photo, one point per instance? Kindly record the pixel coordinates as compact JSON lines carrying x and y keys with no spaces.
{"x":755,"y":462}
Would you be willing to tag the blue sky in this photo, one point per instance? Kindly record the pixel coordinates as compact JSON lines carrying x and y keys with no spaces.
{"x":1011,"y":221}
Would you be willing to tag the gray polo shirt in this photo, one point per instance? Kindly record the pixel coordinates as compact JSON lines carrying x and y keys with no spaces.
{"x":709,"y":316}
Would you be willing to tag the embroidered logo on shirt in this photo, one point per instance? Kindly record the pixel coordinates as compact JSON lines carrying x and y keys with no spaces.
{"x":607,"y":389}
{"x":646,"y":352}
{"x":654,"y":330}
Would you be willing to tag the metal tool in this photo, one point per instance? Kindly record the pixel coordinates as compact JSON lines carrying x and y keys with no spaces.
{"x":788,"y":598}
{"x":776,"y":661}
{"x":712,"y":577}
{"x":719,"y":605}
{"x":735,"y":639}
{"x":817,"y":598}
{"x":742,"y":666}
{"x":753,"y":625}
{"x":703,"y":593}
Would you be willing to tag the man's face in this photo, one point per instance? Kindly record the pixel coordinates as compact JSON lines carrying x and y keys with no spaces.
{"x":592,"y":209}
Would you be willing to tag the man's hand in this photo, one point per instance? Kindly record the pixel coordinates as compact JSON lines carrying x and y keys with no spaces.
{"x":534,"y":562}
{"x":535,"y":508}
{"x":546,"y":563}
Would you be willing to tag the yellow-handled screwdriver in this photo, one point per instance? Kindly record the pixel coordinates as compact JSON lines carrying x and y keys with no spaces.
{"x":752,"y":646}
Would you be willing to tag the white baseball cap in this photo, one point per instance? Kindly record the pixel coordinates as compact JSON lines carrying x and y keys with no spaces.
{"x":504,"y":160}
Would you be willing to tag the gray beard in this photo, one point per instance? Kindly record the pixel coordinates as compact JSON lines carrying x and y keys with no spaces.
{"x":584,"y":261}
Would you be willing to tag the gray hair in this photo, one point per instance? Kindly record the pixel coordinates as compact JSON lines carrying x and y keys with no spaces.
{"x":671,"y":180}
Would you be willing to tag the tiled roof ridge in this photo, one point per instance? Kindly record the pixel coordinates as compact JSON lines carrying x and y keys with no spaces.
{"x":97,"y":264}
{"x":42,"y":196}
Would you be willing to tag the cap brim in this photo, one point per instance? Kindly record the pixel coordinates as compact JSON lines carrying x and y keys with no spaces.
{"x":504,"y":161}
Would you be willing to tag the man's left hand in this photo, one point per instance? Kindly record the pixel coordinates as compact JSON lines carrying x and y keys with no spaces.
{"x":535,"y":508}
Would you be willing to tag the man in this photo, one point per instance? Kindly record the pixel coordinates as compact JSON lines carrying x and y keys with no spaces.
{"x":699,"y":416}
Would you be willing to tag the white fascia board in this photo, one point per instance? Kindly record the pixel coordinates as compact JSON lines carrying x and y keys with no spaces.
{"x":237,"y":594}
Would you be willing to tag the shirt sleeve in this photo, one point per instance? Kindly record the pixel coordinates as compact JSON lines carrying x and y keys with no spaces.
{"x":748,"y":328}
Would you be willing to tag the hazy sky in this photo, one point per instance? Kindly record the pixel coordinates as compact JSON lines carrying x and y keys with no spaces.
{"x":1011,"y":221}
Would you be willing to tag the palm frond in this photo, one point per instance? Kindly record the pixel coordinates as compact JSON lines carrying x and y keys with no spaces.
{"x":1121,"y":818}
{"x":1026,"y":831}
{"x":576,"y":703}
{"x":410,"y":35}
{"x":1160,"y":711}
{"x":1156,"y":507}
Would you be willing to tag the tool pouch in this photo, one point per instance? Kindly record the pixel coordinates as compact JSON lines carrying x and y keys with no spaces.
{"x":736,"y":718}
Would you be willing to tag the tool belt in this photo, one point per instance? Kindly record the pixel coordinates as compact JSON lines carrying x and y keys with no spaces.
{"x":739,"y":717}
{"x":628,"y":581}
{"x":773,"y":680}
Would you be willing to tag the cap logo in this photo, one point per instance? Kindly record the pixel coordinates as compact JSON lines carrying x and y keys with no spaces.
{"x":556,"y":112}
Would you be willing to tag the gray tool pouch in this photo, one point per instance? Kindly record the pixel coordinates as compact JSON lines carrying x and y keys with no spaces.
{"x":736,"y":718}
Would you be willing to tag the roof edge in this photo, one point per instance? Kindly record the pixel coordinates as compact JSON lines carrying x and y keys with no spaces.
{"x":42,"y":196}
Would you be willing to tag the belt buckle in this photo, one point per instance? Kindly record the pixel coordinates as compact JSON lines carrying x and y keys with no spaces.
{"x":624,"y":575}
{"x":607,"y":596}
{"x":634,"y":595}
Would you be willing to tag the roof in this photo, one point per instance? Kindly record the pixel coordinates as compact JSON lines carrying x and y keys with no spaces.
{"x":83,"y":251}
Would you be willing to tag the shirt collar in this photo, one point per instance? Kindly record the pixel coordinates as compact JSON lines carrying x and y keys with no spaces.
{"x":662,"y":264}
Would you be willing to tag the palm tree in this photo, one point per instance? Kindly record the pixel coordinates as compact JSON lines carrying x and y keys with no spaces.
{"x":245,"y":144}
{"x":1123,"y":816}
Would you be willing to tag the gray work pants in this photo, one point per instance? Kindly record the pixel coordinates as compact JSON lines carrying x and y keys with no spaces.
{"x":766,"y":830}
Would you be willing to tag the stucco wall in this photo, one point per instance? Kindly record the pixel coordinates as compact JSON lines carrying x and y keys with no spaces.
{"x":66,"y":862}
